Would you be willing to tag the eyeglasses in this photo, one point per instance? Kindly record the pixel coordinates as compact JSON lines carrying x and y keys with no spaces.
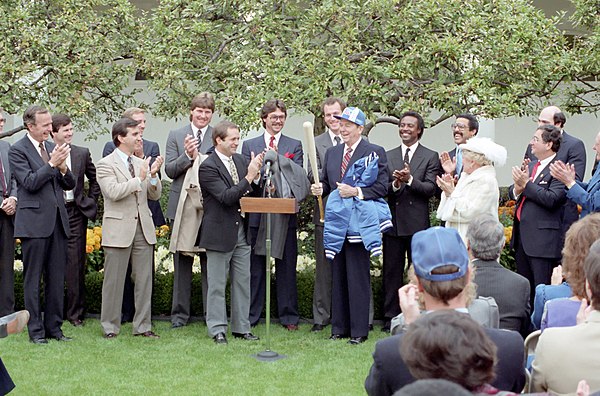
{"x":277,"y":118}
{"x":459,"y":126}
{"x":535,"y":139}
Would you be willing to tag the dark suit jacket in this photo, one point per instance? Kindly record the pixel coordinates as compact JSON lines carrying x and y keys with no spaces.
{"x":40,"y":191}
{"x":539,"y":230}
{"x":333,"y":163}
{"x":82,"y":165}
{"x":9,"y":178}
{"x":509,"y":289}
{"x":177,"y":162}
{"x":287,"y":145}
{"x":389,"y":373}
{"x":572,"y":151}
{"x":221,"y":201}
{"x":410,"y":204}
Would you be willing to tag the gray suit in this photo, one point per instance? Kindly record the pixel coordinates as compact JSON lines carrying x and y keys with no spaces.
{"x":322,"y":292}
{"x":7,"y":240}
{"x":176,"y":165}
{"x":509,"y":289}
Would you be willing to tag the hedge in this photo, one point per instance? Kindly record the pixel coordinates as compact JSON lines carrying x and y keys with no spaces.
{"x":163,"y":292}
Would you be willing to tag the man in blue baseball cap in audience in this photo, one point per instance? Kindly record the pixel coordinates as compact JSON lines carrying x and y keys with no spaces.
{"x":442,"y":270}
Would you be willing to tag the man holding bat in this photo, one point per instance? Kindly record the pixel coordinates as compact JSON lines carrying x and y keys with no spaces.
{"x":413,"y":168}
{"x":331,"y":107}
{"x":351,"y":276}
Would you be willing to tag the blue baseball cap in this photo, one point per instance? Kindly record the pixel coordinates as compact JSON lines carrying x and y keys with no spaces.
{"x":352,"y":114}
{"x":436,"y":247}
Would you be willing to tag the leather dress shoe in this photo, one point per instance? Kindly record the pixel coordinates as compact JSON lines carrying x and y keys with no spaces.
{"x":291,"y":327}
{"x":317,"y":327}
{"x":177,"y":325}
{"x":386,"y":327}
{"x":13,"y":323}
{"x":357,"y":340}
{"x":110,"y":335}
{"x":62,"y":337}
{"x":148,"y":334}
{"x":220,"y":338}
{"x":39,"y":341}
{"x":338,"y":336}
{"x":245,"y":336}
{"x":77,"y":322}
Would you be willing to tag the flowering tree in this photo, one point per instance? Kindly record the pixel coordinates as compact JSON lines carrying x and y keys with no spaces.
{"x":72,"y":56}
{"x":488,"y":57}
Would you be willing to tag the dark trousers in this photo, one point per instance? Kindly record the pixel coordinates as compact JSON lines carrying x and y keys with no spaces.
{"x":285,"y":278}
{"x":6,"y":383}
{"x":182,"y":287}
{"x":537,"y":270}
{"x":7,"y":259}
{"x":75,"y":268}
{"x":395,"y":251}
{"x":351,"y":291}
{"x":45,"y":257}
{"x":322,"y":292}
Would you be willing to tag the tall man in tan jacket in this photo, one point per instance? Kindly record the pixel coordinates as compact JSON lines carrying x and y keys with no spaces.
{"x":128,"y":230}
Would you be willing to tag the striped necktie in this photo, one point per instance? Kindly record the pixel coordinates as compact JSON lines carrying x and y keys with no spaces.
{"x":345,"y":160}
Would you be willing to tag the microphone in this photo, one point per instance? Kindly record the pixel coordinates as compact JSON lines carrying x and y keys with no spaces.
{"x":270,"y":162}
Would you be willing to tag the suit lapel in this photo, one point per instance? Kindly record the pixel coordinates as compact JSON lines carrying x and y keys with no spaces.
{"x":33,"y":153}
{"x":417,"y":158}
{"x":223,"y":170}
{"x":120,"y":165}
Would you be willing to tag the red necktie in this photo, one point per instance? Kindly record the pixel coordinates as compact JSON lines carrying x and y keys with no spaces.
{"x":272,"y":142}
{"x":345,"y":160}
{"x":535,"y":167}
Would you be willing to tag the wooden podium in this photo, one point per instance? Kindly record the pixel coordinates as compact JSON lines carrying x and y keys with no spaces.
{"x":268,"y":206}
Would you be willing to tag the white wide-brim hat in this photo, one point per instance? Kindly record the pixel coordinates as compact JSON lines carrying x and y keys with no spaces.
{"x":486,"y":146}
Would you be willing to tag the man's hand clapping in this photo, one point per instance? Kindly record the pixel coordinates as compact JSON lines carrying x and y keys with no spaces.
{"x":59,"y":155}
{"x":190,"y":144}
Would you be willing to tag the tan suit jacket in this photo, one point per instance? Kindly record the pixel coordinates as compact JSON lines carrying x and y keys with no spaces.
{"x":566,"y":355}
{"x":125,"y":200}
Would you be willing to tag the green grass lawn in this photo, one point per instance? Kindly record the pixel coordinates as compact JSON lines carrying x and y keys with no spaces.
{"x":186,"y":362}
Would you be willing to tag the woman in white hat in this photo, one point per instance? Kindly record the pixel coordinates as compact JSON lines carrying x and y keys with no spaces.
{"x":477,"y":190}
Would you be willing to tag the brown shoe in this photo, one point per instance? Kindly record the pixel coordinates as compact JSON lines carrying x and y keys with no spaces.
{"x":13,"y":323}
{"x":148,"y":334}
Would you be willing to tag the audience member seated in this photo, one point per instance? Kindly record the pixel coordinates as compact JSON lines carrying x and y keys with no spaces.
{"x":579,"y":238}
{"x":441,"y":265}
{"x":485,"y":241}
{"x":566,"y":355}
{"x":433,"y":387}
{"x":450,"y":345}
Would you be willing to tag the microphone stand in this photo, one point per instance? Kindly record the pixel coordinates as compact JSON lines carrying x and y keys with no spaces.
{"x":268,"y":355}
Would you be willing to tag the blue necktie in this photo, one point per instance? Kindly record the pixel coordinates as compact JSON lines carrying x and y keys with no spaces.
{"x":458,"y":161}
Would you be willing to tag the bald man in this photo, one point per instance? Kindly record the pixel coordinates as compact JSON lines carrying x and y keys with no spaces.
{"x":572,"y":151}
